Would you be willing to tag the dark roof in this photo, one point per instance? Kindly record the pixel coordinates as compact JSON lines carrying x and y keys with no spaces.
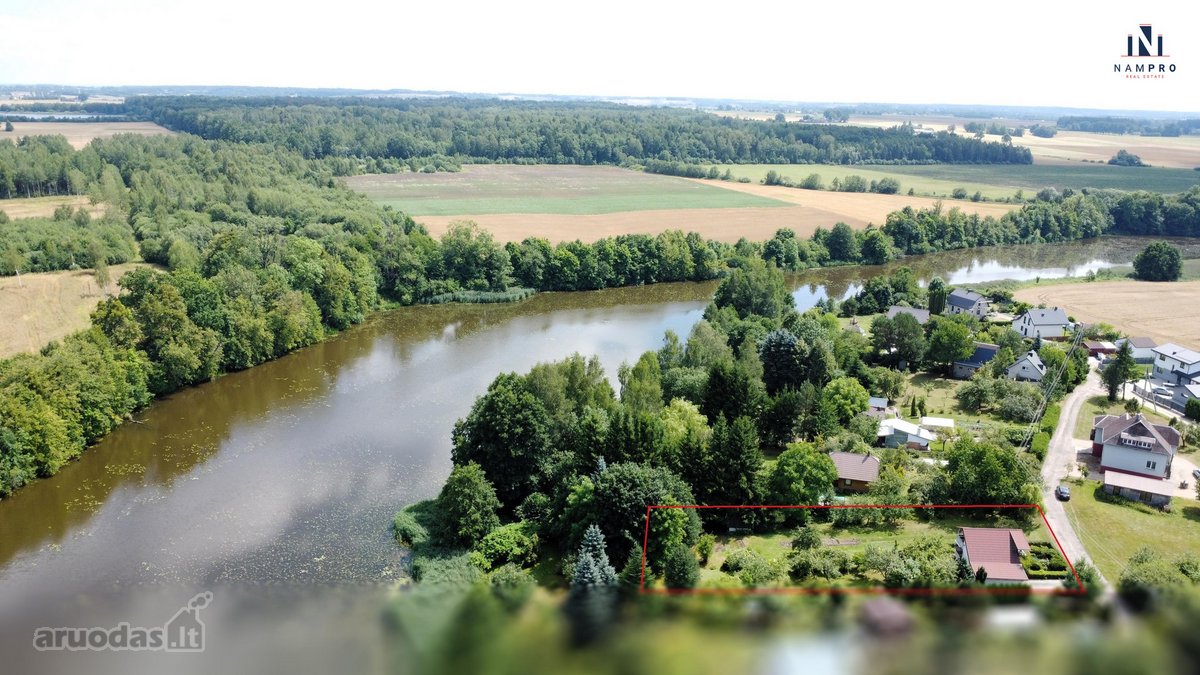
{"x":996,"y":551}
{"x":885,"y":616}
{"x":1142,"y":342}
{"x":921,"y":315}
{"x":1054,"y":316}
{"x":1034,"y":360}
{"x":963,"y":299}
{"x":1135,"y":431}
{"x":853,"y":466}
{"x":983,"y":353}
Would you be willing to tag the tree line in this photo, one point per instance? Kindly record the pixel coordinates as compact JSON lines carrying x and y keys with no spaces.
{"x":547,"y":132}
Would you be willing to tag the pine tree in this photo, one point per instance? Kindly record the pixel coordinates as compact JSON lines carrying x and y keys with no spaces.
{"x":601,"y":467}
{"x":591,"y":603}
{"x":593,"y":548}
{"x":631,"y":573}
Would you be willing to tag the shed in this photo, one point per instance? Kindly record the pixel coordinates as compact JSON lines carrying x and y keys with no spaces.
{"x":1153,"y":491}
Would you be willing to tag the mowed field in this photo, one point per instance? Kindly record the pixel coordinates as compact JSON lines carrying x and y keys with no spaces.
{"x":43,"y":207}
{"x":48,"y":306}
{"x":79,"y":134}
{"x":1165,"y":311}
{"x":563,"y":203}
{"x":556,"y":189}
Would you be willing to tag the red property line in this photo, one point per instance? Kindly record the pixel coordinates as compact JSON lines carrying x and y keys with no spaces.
{"x":860,"y":590}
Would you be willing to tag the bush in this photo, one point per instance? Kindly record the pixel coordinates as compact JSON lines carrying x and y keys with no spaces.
{"x":680,"y":569}
{"x":515,"y":543}
{"x":512,"y":586}
{"x":454,"y":571}
{"x":806,"y":538}
{"x":1192,"y":409}
{"x":407,"y":530}
{"x":959,"y":193}
{"x":704,"y":547}
{"x":1050,"y":417}
{"x":1040,"y":444}
{"x":826,"y":563}
{"x":751,"y":568}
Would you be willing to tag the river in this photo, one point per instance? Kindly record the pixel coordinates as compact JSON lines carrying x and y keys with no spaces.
{"x":272,"y":485}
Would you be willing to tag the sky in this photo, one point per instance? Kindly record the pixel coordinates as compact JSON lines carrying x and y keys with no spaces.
{"x":1046,"y":53}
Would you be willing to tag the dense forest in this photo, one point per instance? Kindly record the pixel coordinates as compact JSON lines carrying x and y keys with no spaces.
{"x":1129,"y":125}
{"x":555,"y":133}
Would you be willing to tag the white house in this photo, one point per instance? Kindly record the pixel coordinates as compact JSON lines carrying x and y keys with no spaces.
{"x":1132,"y":444}
{"x":1043,"y":323}
{"x":895,"y":432}
{"x":967,"y":302}
{"x":1184,"y":393}
{"x":1142,"y":348}
{"x":1029,"y":367}
{"x":1176,"y":364}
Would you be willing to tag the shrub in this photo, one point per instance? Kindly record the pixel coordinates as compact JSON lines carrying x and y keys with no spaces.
{"x":1040,"y":444}
{"x":512,"y":586}
{"x":806,"y":538}
{"x":826,"y":563}
{"x":407,"y":530}
{"x":1192,"y":409}
{"x":515,"y":543}
{"x":704,"y":547}
{"x":751,"y":568}
{"x":455,"y":571}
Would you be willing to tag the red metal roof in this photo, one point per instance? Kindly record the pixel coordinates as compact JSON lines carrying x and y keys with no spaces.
{"x":996,"y":550}
{"x":853,"y":466}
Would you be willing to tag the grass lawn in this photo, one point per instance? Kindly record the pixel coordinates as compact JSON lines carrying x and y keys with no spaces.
{"x":573,"y":190}
{"x":940,"y":401}
{"x":852,"y":540}
{"x":994,"y":181}
{"x":1112,"y":533}
{"x":1100,"y":405}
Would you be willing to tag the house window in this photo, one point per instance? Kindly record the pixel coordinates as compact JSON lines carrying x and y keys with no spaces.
{"x":846,"y":481}
{"x":1151,"y":465}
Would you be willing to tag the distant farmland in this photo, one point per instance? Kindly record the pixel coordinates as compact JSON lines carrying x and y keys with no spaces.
{"x":557,"y":189}
{"x":79,"y":134}
{"x":572,"y":202}
{"x":994,"y":181}
{"x":43,"y":207}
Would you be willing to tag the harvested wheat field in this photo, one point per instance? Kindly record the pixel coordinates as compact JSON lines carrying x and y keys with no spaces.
{"x":43,"y":207}
{"x":48,"y":306}
{"x":1179,"y":152}
{"x":1167,"y":312}
{"x":79,"y":134}
{"x":729,"y":225}
{"x":859,"y":207}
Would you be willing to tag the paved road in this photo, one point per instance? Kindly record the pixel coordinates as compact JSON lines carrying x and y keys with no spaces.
{"x":1060,"y":456}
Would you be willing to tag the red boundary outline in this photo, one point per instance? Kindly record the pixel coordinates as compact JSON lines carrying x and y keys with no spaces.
{"x":860,"y":590}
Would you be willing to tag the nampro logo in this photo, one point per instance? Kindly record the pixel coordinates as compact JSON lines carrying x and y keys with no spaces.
{"x":1144,"y":44}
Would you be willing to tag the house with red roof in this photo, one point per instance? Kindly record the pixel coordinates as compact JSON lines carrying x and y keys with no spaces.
{"x":997,"y":550}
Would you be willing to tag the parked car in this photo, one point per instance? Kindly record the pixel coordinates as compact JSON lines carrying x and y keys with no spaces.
{"x":1160,"y":390}
{"x":1063,"y":491}
{"x":1196,"y":474}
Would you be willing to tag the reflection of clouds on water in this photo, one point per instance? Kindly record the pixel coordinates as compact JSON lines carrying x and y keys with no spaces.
{"x":993,"y":270}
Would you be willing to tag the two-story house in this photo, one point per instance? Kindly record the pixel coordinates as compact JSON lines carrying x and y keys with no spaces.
{"x":1132,"y":444}
{"x":1176,"y":364}
{"x":967,"y":302}
{"x":1051,"y":322}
